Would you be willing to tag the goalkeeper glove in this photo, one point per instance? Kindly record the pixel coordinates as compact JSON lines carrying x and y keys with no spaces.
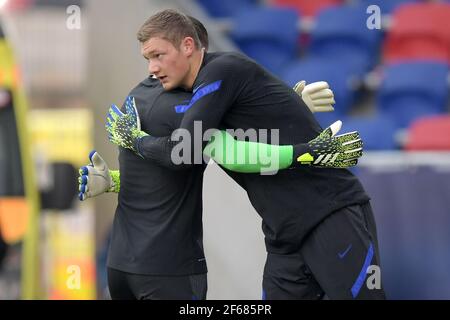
{"x":317,"y":95}
{"x":329,"y":150}
{"x":124,"y":129}
{"x":96,"y":178}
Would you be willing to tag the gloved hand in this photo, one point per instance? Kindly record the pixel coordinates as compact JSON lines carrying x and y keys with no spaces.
{"x":96,"y":178}
{"x":329,"y":150}
{"x":317,"y":95}
{"x":125,"y":128}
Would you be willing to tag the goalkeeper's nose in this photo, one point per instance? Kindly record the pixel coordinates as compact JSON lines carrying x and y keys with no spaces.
{"x":154,"y":68}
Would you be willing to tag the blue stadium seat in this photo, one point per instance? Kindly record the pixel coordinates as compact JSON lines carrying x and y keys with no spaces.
{"x":268,"y":35}
{"x":377,"y":132}
{"x":338,"y":76}
{"x":414,"y":89}
{"x":226,"y":8}
{"x":341,"y":33}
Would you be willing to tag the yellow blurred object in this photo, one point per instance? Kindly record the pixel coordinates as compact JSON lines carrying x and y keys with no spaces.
{"x":71,"y":255}
{"x":9,"y":75}
{"x":9,"y":79}
{"x":63,"y":135}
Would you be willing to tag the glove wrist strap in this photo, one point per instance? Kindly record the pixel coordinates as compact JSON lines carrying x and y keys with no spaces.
{"x":302,"y":155}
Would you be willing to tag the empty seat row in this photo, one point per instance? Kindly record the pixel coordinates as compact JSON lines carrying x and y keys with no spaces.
{"x":271,"y":35}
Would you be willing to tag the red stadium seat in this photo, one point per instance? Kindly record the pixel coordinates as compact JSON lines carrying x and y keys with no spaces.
{"x":430,"y":133}
{"x":419,"y":31}
{"x":307,"y":8}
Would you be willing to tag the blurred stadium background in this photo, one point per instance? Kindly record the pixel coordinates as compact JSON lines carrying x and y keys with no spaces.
{"x":58,"y":76}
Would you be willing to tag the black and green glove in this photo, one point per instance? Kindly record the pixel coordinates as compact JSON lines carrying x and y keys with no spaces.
{"x":329,"y":150}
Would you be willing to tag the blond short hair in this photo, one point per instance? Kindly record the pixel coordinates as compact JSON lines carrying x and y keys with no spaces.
{"x":170,"y":25}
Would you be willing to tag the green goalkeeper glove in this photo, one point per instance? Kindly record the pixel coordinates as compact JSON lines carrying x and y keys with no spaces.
{"x":124,"y":129}
{"x":96,"y":178}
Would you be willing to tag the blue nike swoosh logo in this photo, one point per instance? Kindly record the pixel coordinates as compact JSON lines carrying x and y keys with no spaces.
{"x":343,"y":254}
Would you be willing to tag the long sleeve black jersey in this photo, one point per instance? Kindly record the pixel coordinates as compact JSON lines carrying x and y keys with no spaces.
{"x":233,"y":92}
{"x":157,"y":226}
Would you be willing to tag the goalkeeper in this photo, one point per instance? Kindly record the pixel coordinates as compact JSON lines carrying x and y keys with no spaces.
{"x":146,"y":258}
{"x":126,"y":280}
{"x":319,"y":229}
{"x":291,"y":275}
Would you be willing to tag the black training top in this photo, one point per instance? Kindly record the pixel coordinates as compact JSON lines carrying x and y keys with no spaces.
{"x":232,"y":91}
{"x":157,"y":226}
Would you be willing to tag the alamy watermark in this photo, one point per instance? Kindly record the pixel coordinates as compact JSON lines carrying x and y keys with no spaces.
{"x":73,"y":21}
{"x":73,"y":281}
{"x":374,"y":279}
{"x":373,"y":22}
{"x":228,"y":148}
